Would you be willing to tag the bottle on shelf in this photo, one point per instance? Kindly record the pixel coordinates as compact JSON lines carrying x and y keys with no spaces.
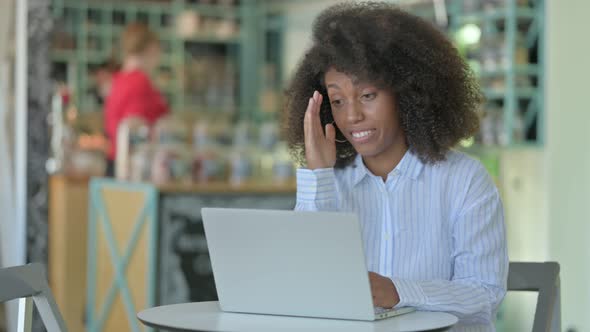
{"x":488,"y":126}
{"x":188,"y":24}
{"x":208,"y":160}
{"x":132,"y":132}
{"x":141,"y":163}
{"x":283,"y":170}
{"x":242,"y":155}
{"x":267,"y":141}
{"x":58,"y":130}
{"x":171,"y":162}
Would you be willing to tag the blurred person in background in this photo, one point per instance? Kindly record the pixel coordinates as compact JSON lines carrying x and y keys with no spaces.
{"x":132,"y":93}
{"x":103,"y":77}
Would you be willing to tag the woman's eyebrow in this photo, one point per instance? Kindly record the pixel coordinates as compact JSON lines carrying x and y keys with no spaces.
{"x":333,"y":85}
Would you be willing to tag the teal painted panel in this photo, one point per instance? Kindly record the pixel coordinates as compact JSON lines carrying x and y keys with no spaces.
{"x":99,"y":222}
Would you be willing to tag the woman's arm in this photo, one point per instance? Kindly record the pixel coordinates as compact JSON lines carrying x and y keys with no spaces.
{"x":316,"y":186}
{"x":480,"y":260}
{"x":316,"y":190}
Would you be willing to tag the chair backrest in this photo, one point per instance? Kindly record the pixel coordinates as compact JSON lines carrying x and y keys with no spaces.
{"x":28,"y":281}
{"x":544,"y":279}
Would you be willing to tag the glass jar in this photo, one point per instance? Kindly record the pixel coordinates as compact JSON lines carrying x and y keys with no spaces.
{"x":208,"y":165}
{"x":283,"y":167}
{"x":132,"y":132}
{"x":171,"y":130}
{"x":241,"y":166}
{"x":171,"y":164}
{"x":141,"y":163}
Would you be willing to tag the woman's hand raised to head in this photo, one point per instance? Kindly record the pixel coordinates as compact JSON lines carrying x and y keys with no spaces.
{"x":320,"y":148}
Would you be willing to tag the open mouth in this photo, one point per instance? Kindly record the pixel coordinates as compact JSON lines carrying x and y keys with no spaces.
{"x":361,"y":136}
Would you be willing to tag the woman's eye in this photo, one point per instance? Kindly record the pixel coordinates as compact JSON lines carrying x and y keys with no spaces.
{"x":369,"y":96}
{"x":337,"y":102}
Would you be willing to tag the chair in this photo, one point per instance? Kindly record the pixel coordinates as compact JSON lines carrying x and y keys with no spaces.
{"x":25,"y":283}
{"x":544,"y":279}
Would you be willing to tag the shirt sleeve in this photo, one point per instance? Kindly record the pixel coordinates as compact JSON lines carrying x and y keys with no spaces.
{"x":316,"y":190}
{"x":136,"y":107}
{"x":161,"y":108}
{"x":480,"y":261}
{"x":144,"y":100}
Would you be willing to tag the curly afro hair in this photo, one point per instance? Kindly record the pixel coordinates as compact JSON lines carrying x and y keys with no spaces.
{"x":436,"y":92}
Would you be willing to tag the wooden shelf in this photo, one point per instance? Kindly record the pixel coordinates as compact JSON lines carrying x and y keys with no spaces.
{"x":522,"y":93}
{"x":496,"y":15}
{"x":224,"y":187}
{"x":519,"y":70}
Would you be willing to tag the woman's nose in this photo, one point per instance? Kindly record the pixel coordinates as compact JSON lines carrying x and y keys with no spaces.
{"x":354,"y":113}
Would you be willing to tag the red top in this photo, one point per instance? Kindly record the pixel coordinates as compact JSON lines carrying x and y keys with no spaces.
{"x":132,"y":94}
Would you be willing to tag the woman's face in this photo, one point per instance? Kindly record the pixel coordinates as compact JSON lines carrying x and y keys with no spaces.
{"x":151,"y":56}
{"x":366,"y":115}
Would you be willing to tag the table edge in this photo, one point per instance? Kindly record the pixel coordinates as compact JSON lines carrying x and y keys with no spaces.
{"x":158,"y":326}
{"x":163,"y":327}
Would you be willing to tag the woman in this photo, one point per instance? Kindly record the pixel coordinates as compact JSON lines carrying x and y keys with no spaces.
{"x":132,"y":92}
{"x":374,"y":109}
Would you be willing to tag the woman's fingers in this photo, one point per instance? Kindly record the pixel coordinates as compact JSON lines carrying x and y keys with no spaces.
{"x":312,"y":125}
{"x":317,"y":122}
{"x":320,"y":99}
{"x":320,"y":149}
{"x":330,"y":133}
{"x":308,"y":123}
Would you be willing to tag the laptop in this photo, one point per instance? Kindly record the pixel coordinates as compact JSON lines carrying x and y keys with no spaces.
{"x":308,"y":264}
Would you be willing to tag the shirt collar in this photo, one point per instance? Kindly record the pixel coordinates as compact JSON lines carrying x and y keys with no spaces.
{"x":410,"y":166}
{"x":360,"y":171}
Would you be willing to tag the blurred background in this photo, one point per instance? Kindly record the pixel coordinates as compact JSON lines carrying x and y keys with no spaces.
{"x":93,"y":193}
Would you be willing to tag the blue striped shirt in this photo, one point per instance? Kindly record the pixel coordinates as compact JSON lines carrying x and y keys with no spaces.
{"x":436,"y":230}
